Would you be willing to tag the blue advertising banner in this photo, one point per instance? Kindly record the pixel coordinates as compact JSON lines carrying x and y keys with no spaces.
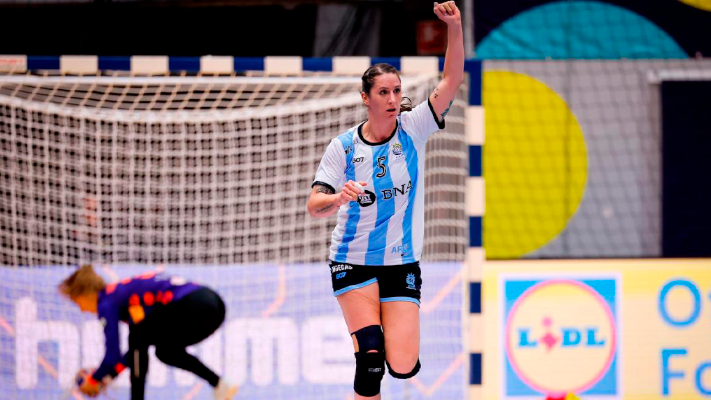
{"x":283,"y":337}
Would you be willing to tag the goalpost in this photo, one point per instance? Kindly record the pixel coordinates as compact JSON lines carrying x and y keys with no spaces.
{"x":207,"y":177}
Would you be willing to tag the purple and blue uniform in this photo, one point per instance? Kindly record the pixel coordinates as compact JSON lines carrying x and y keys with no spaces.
{"x":132,"y":300}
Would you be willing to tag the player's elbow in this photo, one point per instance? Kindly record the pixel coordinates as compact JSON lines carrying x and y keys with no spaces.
{"x":454,"y":80}
{"x":312,"y":208}
{"x":316,"y":214}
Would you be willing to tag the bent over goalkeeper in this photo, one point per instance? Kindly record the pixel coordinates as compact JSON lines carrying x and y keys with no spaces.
{"x":167,"y":312}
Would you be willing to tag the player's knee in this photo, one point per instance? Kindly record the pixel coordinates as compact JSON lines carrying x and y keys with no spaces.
{"x":370,"y":360}
{"x":406,"y":375}
{"x":166,"y":355}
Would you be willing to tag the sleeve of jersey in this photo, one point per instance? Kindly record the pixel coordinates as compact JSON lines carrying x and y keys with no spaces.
{"x":422,"y":121}
{"x":113,"y":362}
{"x":331,"y":170}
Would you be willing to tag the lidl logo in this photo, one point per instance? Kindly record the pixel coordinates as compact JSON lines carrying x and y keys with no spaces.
{"x":560,"y":337}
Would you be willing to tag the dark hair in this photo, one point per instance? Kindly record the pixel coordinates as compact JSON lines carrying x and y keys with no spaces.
{"x":83,"y":281}
{"x":368,"y":79}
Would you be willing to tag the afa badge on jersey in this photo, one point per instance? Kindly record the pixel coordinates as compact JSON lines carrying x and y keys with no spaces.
{"x":396,"y":149}
{"x":560,"y":337}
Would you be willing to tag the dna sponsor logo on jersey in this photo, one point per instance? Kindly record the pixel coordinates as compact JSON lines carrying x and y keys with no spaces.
{"x":560,"y":337}
{"x":368,"y":198}
{"x":396,"y":191}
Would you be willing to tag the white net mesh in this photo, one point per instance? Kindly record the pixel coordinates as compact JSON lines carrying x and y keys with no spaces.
{"x":191,"y":170}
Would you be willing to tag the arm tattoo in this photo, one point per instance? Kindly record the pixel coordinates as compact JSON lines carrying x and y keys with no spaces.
{"x":324,"y":189}
{"x":325,"y":209}
{"x":435,"y":93}
{"x":447,"y":110}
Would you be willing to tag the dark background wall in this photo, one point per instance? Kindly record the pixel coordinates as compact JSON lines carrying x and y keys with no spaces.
{"x":191,"y":28}
{"x":686,"y":224}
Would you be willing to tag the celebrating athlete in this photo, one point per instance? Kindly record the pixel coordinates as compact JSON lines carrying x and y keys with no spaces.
{"x":373,"y":177}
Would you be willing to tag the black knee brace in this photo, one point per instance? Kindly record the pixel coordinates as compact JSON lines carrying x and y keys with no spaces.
{"x":408,"y":375}
{"x":370,"y":367}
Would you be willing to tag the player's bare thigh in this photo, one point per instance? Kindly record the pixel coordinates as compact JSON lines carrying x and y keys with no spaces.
{"x":401,"y":327}
{"x":361,"y":307}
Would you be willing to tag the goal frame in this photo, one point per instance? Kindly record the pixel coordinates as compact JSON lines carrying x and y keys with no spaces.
{"x":13,"y":67}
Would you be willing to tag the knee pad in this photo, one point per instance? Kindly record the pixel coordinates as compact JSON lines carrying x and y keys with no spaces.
{"x":370,"y":367}
{"x":408,"y":375}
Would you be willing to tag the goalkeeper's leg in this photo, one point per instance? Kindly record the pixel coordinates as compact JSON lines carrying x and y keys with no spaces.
{"x":138,"y":363}
{"x":189,"y":321}
{"x":179,"y":358}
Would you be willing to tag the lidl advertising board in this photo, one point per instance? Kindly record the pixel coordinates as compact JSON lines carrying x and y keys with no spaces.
{"x":597,"y":329}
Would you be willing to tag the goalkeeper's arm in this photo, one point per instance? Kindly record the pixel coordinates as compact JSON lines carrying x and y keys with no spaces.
{"x":113,"y":362}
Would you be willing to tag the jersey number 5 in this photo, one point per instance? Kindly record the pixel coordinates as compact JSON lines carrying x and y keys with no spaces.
{"x":381,"y":166}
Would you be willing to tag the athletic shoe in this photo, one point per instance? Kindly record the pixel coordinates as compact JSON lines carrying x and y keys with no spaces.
{"x":225,"y":390}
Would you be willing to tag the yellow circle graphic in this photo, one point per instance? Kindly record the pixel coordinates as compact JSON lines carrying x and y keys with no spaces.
{"x":535,"y":164}
{"x":701,"y":4}
{"x":560,"y":337}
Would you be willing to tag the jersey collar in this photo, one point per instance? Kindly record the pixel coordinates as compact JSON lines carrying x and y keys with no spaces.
{"x":360,"y":134}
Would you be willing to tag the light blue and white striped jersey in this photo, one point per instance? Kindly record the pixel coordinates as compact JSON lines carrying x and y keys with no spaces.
{"x":386,"y":225}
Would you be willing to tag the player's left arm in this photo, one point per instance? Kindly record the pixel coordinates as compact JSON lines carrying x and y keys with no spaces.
{"x":453,"y":74}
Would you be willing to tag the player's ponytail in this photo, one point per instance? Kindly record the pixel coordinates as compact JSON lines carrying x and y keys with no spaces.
{"x":368,"y":80}
{"x":83,"y":281}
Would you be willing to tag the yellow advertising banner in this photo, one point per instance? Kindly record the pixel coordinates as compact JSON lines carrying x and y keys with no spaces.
{"x":597,"y":329}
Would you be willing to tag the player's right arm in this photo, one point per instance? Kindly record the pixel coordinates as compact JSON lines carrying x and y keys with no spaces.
{"x":113,"y":360}
{"x":325,"y":199}
{"x":323,"y":202}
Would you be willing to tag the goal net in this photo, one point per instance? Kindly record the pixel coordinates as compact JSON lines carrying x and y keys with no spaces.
{"x":208,"y":178}
{"x":179,"y":170}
